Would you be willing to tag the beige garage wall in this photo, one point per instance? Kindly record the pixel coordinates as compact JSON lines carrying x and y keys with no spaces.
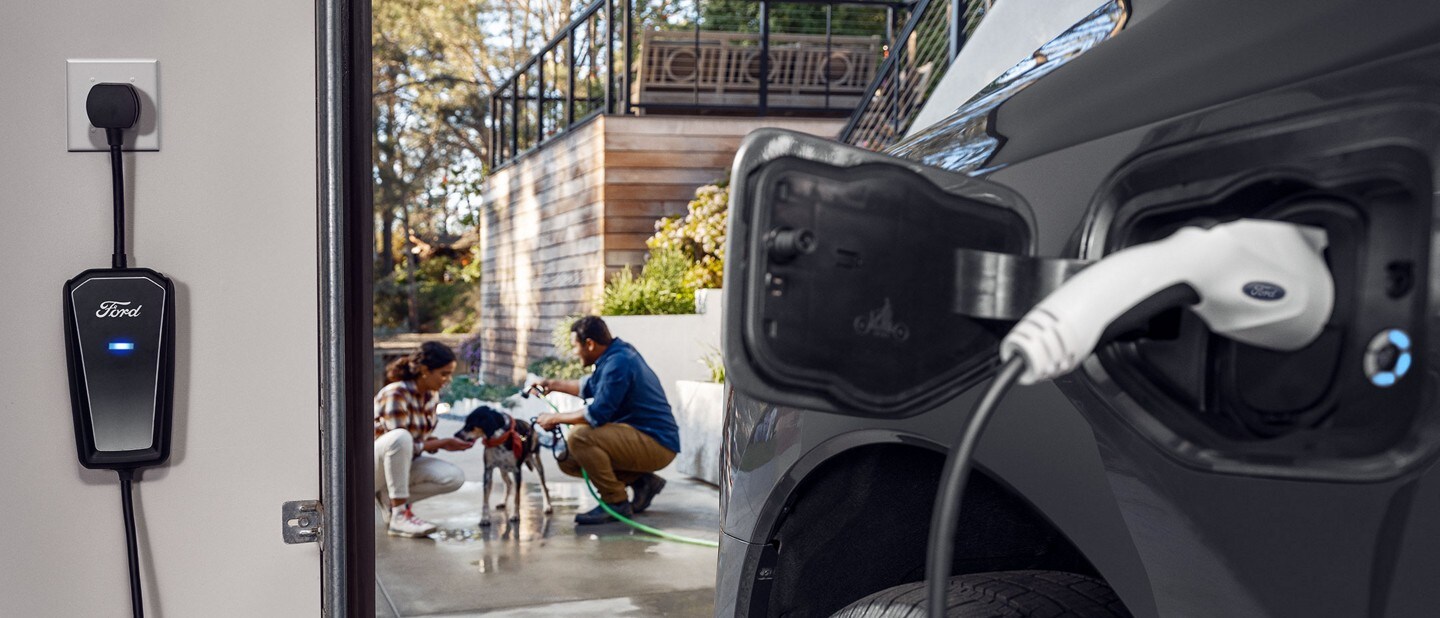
{"x":227,"y":209}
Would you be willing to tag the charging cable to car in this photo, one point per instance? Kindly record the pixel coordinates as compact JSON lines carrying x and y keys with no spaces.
{"x":558,"y":444}
{"x":1263,"y":283}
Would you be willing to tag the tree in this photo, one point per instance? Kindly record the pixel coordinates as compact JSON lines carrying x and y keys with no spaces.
{"x":434,"y":63}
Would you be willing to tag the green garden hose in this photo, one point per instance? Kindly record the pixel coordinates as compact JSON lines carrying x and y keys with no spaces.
{"x":626,"y":520}
{"x":639,"y":526}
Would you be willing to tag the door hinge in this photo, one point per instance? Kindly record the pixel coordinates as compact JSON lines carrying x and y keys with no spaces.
{"x":300,"y":521}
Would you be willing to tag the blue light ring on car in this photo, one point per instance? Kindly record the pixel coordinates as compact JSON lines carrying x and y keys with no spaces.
{"x":1399,"y":338}
{"x":1387,"y":342}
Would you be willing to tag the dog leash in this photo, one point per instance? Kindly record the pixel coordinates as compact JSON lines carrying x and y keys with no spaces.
{"x":558,"y":438}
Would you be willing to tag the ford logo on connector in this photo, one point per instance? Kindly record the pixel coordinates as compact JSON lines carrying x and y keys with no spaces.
{"x":1259,"y":290}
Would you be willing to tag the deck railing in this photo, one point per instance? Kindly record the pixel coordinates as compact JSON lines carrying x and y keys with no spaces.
{"x":596,"y":65}
{"x":721,"y":70}
{"x":930,"y":40}
{"x":569,"y":80}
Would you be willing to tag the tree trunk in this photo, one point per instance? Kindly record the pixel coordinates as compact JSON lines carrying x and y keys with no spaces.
{"x":387,"y":241}
{"x":411,"y":283}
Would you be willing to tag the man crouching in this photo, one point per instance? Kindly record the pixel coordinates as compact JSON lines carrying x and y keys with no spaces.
{"x":626,"y":433}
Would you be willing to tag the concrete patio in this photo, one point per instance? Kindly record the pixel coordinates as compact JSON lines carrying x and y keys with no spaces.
{"x":545,"y":565}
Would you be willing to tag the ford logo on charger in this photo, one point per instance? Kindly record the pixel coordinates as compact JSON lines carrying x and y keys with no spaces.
{"x":117,"y":309}
{"x":1260,"y":290}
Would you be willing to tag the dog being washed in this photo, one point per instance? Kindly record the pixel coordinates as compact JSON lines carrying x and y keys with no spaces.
{"x":509,"y":444}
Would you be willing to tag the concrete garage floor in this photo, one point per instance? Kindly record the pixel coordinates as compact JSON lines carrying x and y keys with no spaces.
{"x":545,"y":566}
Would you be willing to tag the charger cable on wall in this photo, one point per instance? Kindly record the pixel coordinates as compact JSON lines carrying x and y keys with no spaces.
{"x":115,"y":108}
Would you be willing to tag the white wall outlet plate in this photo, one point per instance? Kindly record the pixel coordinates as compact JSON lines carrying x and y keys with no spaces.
{"x":81,"y":75}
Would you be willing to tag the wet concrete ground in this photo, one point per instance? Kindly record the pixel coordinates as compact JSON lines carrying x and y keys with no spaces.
{"x":546,"y":565}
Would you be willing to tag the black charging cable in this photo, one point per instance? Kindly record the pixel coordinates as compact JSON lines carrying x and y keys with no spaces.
{"x":115,"y":108}
{"x":945,"y":518}
{"x":136,"y":604}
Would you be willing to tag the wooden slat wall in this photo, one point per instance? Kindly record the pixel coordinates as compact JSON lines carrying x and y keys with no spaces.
{"x":541,"y":233}
{"x":653,"y":164}
{"x":558,"y":221}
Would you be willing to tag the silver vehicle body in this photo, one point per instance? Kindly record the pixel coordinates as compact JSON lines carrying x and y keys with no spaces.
{"x":821,"y":509}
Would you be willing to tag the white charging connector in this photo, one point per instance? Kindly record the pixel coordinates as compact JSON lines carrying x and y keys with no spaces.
{"x":1259,"y":282}
{"x":1264,"y":283}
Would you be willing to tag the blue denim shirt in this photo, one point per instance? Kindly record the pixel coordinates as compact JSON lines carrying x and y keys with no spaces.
{"x":625,"y":390}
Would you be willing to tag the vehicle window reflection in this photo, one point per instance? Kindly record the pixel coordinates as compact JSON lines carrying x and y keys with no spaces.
{"x":963,"y":141}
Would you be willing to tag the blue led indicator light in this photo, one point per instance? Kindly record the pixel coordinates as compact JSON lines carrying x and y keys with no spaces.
{"x":1388,"y":357}
{"x":1402,"y":365}
{"x":122,"y":346}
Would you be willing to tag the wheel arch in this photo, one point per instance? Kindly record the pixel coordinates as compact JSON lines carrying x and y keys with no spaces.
{"x":854,"y":519}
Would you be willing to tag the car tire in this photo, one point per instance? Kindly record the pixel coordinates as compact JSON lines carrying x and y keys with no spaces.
{"x":1040,"y":594}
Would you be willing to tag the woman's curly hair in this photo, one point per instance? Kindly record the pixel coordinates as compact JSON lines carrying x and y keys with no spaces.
{"x":431,"y":355}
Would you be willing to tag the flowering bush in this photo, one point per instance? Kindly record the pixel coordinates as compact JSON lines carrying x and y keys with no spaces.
{"x":686,"y":254}
{"x":699,"y":235}
{"x":470,"y":352}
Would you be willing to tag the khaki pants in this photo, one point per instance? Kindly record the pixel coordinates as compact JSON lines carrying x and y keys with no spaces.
{"x":615,"y":455}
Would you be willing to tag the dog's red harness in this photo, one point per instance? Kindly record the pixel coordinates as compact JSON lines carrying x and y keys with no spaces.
{"x":517,"y":444}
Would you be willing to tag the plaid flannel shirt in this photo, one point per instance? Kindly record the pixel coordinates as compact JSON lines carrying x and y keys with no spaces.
{"x":401,"y":406}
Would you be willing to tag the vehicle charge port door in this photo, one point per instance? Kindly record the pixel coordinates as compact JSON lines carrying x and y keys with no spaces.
{"x":846,"y":269}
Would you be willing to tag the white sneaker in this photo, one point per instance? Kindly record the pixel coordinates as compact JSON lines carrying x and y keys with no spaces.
{"x":403,"y":522}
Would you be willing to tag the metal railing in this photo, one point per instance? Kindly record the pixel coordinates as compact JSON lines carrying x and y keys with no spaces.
{"x":592,"y":66}
{"x":714,"y":70}
{"x":569,"y":80}
{"x":930,"y":40}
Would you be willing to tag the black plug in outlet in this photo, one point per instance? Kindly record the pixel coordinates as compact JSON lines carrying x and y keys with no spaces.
{"x":113,"y":107}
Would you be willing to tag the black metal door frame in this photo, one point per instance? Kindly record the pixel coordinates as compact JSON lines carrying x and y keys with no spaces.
{"x":346,"y":239}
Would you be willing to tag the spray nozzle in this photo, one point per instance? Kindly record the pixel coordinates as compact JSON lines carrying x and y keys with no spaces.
{"x":533,"y":387}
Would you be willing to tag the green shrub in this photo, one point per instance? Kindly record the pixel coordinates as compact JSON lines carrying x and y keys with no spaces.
{"x":714,"y":362}
{"x":686,"y":254}
{"x":563,"y":364}
{"x":465,"y":325}
{"x":561,"y":368}
{"x":660,"y":289}
{"x":446,"y":300}
{"x":560,"y":337}
{"x":466,"y":387}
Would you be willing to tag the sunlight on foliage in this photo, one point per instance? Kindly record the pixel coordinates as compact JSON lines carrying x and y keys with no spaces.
{"x":699,"y":235}
{"x":659,"y":289}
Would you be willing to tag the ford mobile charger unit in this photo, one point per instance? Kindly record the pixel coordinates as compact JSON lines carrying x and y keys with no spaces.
{"x":120,"y":329}
{"x":120,"y":347}
{"x":120,"y":343}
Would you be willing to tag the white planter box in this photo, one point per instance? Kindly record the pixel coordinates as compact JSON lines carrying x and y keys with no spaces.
{"x":673,"y":346}
{"x":700,"y":413}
